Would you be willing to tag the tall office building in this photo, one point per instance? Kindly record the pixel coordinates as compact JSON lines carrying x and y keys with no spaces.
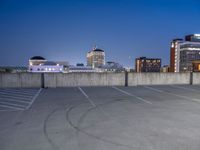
{"x":143,"y":64}
{"x":96,"y":58}
{"x":193,"y":38}
{"x":183,"y":53}
{"x":173,"y":54}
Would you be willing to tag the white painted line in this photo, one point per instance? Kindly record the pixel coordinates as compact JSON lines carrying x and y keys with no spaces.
{"x":14,"y":97}
{"x":34,"y":98}
{"x":189,"y":89}
{"x":20,"y":101}
{"x":91,"y":102}
{"x":154,"y":89}
{"x":16,"y":93}
{"x":10,"y":107}
{"x":83,"y":92}
{"x":19,"y":91}
{"x":177,"y":95}
{"x":129,"y":94}
{"x":12,"y":104}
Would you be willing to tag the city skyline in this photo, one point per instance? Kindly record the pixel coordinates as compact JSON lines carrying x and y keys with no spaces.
{"x":67,"y":30}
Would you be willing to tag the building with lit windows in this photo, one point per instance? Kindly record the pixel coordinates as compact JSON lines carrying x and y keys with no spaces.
{"x":96,"y":58}
{"x":40,"y":64}
{"x":184,"y":52}
{"x":143,"y":64}
{"x":196,"y":66}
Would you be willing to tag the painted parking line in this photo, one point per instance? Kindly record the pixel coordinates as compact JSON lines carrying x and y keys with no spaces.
{"x":87,"y":97}
{"x":169,"y":93}
{"x":12,"y":99}
{"x":24,"y":91}
{"x":12,"y":105}
{"x":9,"y":108}
{"x":14,"y":96}
{"x":185,"y":88}
{"x":34,"y":98}
{"x":17,"y":93}
{"x":132,"y":95}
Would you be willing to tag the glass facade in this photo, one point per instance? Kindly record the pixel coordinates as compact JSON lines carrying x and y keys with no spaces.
{"x":186,"y":58}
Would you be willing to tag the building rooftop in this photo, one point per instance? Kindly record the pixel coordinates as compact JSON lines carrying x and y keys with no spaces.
{"x":37,"y":58}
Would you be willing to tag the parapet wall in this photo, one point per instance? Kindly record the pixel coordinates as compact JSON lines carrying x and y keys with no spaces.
{"x":196,"y":78}
{"x":31,"y":80}
{"x":20,"y":80}
{"x":83,"y":79}
{"x":158,"y":78}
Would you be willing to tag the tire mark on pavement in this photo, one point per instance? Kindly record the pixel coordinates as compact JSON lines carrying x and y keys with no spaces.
{"x":77,"y":128}
{"x":45,"y":131}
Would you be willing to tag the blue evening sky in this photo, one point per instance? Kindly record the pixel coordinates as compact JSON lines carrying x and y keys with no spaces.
{"x":67,"y":29}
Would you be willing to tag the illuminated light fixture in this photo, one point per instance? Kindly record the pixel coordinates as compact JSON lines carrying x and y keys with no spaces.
{"x":49,"y":69}
{"x":196,"y":34}
{"x":31,"y":64}
{"x":57,"y":64}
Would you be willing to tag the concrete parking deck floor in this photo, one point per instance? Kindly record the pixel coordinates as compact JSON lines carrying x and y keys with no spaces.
{"x":106,"y":118}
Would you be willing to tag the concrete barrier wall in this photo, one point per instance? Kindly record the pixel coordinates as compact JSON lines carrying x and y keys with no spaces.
{"x":30,"y":80}
{"x":158,"y":78}
{"x":84,"y":79}
{"x":18,"y":80}
{"x":10,"y":80}
{"x":196,"y":78}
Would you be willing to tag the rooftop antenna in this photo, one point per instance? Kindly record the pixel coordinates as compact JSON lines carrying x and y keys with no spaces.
{"x":95,"y":47}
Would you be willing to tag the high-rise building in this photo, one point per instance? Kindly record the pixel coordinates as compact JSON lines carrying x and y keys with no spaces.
{"x":96,"y":58}
{"x":183,"y":53}
{"x":173,"y":54}
{"x":143,"y":64}
{"x":193,"y":38}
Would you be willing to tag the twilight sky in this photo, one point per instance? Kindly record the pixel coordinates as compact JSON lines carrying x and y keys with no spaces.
{"x":67,"y":29}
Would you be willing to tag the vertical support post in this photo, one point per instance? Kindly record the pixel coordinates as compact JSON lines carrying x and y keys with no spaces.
{"x":42,"y":81}
{"x":126,"y":78}
{"x":191,"y":78}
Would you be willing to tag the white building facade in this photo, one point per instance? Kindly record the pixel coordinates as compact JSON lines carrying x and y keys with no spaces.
{"x":38,"y":64}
